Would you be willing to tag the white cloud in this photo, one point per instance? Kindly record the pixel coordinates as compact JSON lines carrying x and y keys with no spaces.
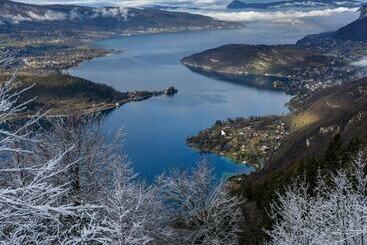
{"x":213,"y":8}
{"x":15,"y":18}
{"x":75,"y":14}
{"x":49,"y":15}
{"x":117,"y":12}
{"x":248,"y":16}
{"x":360,"y":63}
{"x":120,"y":13}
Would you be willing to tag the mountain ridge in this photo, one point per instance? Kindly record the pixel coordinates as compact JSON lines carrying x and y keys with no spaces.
{"x":15,"y":17}
{"x":355,"y":32}
{"x":330,"y":95}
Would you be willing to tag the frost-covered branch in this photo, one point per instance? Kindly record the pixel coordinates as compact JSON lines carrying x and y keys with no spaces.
{"x":336,"y":214}
{"x":66,"y":185}
{"x":31,"y":203}
{"x":201,"y":210}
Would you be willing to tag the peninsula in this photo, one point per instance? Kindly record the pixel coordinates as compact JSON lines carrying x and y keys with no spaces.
{"x":63,"y":94}
{"x":41,"y":41}
{"x":329,"y":97}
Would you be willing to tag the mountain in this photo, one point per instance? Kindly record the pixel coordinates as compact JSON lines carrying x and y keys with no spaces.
{"x":330,"y":96}
{"x":15,"y":17}
{"x":315,"y":62}
{"x":254,"y":59}
{"x":236,"y":4}
{"x":363,"y":11}
{"x":338,"y":111}
{"x":276,"y":143}
{"x":274,"y":67}
{"x":355,"y":32}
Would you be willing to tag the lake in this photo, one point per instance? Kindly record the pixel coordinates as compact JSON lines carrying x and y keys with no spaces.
{"x":157,"y":128}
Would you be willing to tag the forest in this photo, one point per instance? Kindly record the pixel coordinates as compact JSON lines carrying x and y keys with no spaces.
{"x":64,"y":182}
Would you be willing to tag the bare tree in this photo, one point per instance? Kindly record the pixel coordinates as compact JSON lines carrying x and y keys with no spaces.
{"x":30,"y":205}
{"x":92,"y":175}
{"x":337,"y":214}
{"x":35,"y":202}
{"x":126,"y":211}
{"x":201,"y":211}
{"x":9,"y":108}
{"x":135,"y":214}
{"x":64,"y":184}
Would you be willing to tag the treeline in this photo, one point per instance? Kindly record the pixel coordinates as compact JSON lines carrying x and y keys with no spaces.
{"x":262,"y":196}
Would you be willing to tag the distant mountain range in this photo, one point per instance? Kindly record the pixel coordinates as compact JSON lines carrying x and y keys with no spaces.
{"x":15,"y":16}
{"x":236,"y":4}
{"x":277,"y":59}
{"x":323,"y":115}
{"x":355,"y":31}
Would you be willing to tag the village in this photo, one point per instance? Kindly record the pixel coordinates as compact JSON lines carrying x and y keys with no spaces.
{"x":305,"y":82}
{"x":248,"y":141}
{"x":46,"y":57}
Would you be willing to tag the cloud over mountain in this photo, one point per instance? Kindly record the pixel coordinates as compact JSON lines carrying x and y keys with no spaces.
{"x":213,"y":8}
{"x":251,"y":15}
{"x":16,"y":13}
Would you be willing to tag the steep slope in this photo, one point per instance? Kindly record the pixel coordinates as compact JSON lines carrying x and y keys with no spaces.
{"x":330,"y":98}
{"x":355,"y":32}
{"x":324,"y":146}
{"x":275,"y":143}
{"x":341,"y":110}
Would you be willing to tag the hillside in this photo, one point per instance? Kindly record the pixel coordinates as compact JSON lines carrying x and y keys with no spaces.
{"x":323,"y":140}
{"x":341,"y":110}
{"x":281,"y":141}
{"x":16,"y":17}
{"x":330,"y":99}
{"x":293,"y":69}
{"x":240,"y":59}
{"x":65,"y":94}
{"x":354,"y":32}
{"x":315,"y":62}
{"x":40,"y":41}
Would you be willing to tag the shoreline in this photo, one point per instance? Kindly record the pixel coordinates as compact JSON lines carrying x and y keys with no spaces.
{"x":274,"y":82}
{"x":246,"y":141}
{"x":114,"y":36}
{"x":101,"y":107}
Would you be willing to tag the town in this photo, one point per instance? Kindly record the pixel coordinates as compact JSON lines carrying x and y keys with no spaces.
{"x":306,"y":82}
